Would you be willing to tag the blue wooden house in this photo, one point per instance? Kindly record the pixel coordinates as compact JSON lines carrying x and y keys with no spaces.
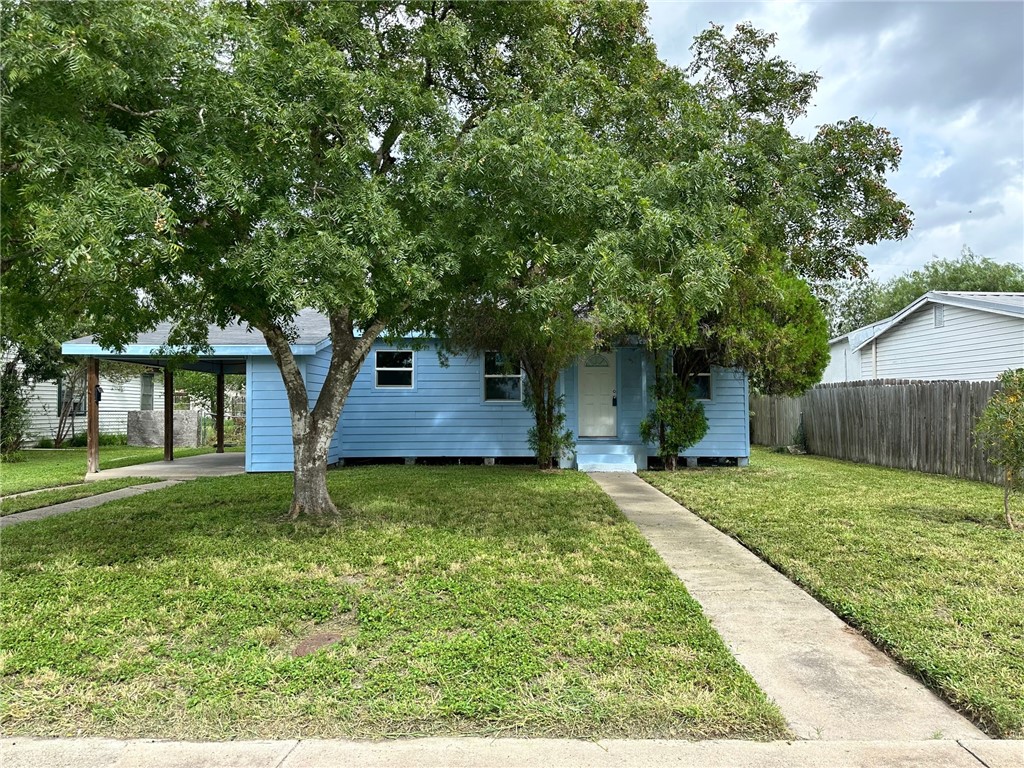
{"x":406,"y":404}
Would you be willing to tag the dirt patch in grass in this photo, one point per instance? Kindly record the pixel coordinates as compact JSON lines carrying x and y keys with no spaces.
{"x":449,"y":600}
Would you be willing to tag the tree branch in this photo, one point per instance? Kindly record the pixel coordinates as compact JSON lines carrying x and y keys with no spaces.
{"x":132,"y":112}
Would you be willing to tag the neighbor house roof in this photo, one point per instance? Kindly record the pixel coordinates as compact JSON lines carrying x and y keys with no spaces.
{"x":1011,"y":304}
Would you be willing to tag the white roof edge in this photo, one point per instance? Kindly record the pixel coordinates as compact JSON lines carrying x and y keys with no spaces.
{"x":942,"y":297}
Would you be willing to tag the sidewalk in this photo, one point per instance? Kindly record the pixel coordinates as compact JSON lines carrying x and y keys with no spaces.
{"x":86,"y":503}
{"x":830,"y":683}
{"x":506,"y":753}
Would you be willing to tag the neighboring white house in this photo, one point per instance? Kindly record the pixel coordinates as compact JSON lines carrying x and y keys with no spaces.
{"x":943,"y":335}
{"x":142,"y":392}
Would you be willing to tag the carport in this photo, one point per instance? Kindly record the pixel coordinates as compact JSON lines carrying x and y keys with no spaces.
{"x":227,"y":352}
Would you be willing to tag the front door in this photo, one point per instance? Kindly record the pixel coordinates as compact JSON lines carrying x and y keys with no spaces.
{"x":597,"y":395}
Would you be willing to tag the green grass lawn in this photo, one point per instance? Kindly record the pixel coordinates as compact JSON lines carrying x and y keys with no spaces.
{"x":66,"y":466}
{"x":923,"y":565}
{"x":11,"y":506}
{"x":457,"y":599}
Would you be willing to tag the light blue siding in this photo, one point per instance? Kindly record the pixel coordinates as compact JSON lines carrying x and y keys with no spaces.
{"x":268,"y":421}
{"x":727,"y":412}
{"x":316,"y":373}
{"x":728,"y":415}
{"x":443,"y":414}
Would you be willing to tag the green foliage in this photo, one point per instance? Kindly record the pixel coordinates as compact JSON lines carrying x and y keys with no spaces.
{"x":14,"y":413}
{"x":854,"y":304}
{"x":105,"y":439}
{"x":921,"y":564}
{"x":675,"y":423}
{"x":548,"y":438}
{"x":392,"y":165}
{"x":774,"y":328}
{"x":201,"y":387}
{"x":1000,"y":430}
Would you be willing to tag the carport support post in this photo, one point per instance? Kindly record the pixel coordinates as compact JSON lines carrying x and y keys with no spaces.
{"x":168,"y":413}
{"x":220,"y":410}
{"x":92,"y":422}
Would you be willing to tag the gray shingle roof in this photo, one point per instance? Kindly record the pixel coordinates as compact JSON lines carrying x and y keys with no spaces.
{"x":311,"y":326}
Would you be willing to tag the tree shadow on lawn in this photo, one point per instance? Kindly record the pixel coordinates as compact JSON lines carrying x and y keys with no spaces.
{"x":518,"y":509}
{"x":951,"y":516}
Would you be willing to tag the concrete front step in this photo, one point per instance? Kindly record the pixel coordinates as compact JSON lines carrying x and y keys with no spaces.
{"x":606,"y":462}
{"x":583,"y":448}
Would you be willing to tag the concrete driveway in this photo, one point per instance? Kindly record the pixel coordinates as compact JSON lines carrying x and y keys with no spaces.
{"x":205,"y":465}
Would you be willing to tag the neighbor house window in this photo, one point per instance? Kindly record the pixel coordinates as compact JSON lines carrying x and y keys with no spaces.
{"x":394,"y":369}
{"x":70,"y":400}
{"x":146,"y":403}
{"x":503,"y":380}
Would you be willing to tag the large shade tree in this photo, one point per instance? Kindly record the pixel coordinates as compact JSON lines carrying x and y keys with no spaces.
{"x":561,"y":225}
{"x":809,"y":203}
{"x":210,"y":161}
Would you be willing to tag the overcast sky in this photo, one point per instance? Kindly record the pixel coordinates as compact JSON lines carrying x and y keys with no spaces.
{"x":947,"y":78}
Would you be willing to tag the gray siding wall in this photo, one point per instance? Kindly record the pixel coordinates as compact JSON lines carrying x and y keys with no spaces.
{"x":970,"y":346}
{"x":843,"y":364}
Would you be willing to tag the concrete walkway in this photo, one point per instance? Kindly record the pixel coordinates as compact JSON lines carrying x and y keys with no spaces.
{"x":505,"y":753}
{"x":188,"y":468}
{"x":86,"y":503}
{"x":830,"y":683}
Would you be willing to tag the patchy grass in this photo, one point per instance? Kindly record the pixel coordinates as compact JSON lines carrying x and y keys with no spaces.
{"x":11,"y":506}
{"x":448,"y":600}
{"x":42,"y":468}
{"x":922,"y":564}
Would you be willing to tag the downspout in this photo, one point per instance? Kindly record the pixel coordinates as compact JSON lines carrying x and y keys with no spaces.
{"x":874,"y":358}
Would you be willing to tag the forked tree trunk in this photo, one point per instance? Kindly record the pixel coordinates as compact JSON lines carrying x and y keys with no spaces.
{"x":313,"y":427}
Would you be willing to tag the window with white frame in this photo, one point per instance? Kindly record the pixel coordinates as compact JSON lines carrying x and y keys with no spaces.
{"x":394,"y":369}
{"x":503,"y":379}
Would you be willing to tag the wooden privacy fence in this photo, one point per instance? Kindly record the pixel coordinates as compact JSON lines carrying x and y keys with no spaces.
{"x":923,"y":425}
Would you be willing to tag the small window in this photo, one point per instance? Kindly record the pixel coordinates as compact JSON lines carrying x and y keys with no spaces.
{"x":503,"y":381}
{"x":939,"y":313}
{"x":701,"y":388}
{"x":146,"y":403}
{"x":394,"y":369}
{"x":70,"y":400}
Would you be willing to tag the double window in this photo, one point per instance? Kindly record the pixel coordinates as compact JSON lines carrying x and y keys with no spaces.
{"x":503,"y":379}
{"x":394,"y":369}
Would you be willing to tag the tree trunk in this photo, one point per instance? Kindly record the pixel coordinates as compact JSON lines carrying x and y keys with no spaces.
{"x":542,"y":388}
{"x":313,"y":428}
{"x":1006,"y":499}
{"x":309,"y":495}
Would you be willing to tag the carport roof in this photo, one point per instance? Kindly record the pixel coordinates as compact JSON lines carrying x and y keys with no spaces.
{"x":229,"y":346}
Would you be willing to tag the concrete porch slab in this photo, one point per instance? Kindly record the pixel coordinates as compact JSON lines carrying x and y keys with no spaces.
{"x":188,"y":468}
